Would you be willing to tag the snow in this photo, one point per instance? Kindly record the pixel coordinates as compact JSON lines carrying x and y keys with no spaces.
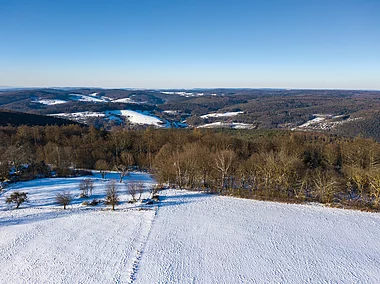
{"x":42,"y":243}
{"x":171,"y":112}
{"x":200,"y":238}
{"x":124,"y":100}
{"x":89,"y":98}
{"x":80,"y":114}
{"x":184,"y":94}
{"x":50,"y":102}
{"x":189,"y":237}
{"x":324,"y":122}
{"x":312,"y":121}
{"x":233,"y":125}
{"x":139,"y":117}
{"x":135,"y":117}
{"x":225,"y":114}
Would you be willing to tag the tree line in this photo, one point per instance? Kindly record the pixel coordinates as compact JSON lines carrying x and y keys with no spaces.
{"x":274,"y":165}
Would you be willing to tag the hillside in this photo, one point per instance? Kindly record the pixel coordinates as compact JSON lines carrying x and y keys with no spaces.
{"x":332,"y":111}
{"x":189,"y":237}
{"x":17,"y":118}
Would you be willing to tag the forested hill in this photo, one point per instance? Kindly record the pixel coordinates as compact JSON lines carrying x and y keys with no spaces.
{"x":19,"y":118}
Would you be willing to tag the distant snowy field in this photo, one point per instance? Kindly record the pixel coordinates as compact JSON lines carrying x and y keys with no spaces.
{"x":189,"y":237}
{"x":134,"y":117}
{"x":225,"y":114}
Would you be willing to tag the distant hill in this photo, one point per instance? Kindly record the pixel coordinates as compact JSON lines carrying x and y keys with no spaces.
{"x":344,"y":112}
{"x":19,"y":118}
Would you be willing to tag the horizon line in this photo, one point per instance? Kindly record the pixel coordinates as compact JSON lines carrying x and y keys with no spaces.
{"x":181,"y":88}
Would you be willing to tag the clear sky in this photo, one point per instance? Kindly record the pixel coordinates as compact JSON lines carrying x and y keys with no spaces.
{"x":191,"y":43}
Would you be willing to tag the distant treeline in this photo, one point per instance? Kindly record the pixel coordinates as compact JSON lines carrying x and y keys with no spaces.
{"x":270,"y":165}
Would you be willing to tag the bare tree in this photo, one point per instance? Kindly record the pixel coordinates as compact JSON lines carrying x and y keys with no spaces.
{"x":112,"y":196}
{"x":64,"y":199}
{"x":140,"y":189}
{"x":86,"y":187}
{"x":102,"y":166}
{"x":90,"y":185}
{"x":18,"y":198}
{"x":83,"y":188}
{"x":132,"y":188}
{"x":223,"y":163}
{"x":374,"y":181}
{"x":325,"y":185}
{"x":126,"y":161}
{"x":360,"y":179}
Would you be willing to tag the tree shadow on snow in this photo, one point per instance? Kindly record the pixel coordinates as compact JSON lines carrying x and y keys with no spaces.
{"x":175,"y":200}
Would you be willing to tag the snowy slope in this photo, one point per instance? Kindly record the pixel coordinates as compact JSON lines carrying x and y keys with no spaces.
{"x":139,"y":117}
{"x":198,"y":238}
{"x":42,"y":243}
{"x":189,"y":238}
{"x":89,"y":98}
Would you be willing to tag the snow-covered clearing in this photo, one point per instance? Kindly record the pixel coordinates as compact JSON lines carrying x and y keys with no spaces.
{"x":233,"y":125}
{"x":50,"y":102}
{"x":127,"y":101}
{"x":224,"y":114}
{"x":74,"y":115}
{"x":90,"y":98}
{"x":139,"y":117}
{"x":189,"y":237}
{"x":317,"y":119}
{"x":184,"y":94}
{"x":135,"y":117}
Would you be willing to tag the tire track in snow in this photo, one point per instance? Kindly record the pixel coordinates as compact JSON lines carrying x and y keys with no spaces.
{"x":139,"y":252}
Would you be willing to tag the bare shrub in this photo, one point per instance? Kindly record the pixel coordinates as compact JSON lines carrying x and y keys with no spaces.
{"x":154,"y":190}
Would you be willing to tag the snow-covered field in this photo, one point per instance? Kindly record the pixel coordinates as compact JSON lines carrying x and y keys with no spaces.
{"x":50,"y":102}
{"x":224,"y":114}
{"x":93,"y":97}
{"x":42,"y":243}
{"x":233,"y":125}
{"x":140,"y":117}
{"x":135,"y":117}
{"x":189,"y":237}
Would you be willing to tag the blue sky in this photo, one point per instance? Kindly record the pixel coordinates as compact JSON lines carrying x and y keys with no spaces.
{"x":191,"y":44}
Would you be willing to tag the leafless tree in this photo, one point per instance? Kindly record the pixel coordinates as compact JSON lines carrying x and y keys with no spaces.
{"x":223,"y":163}
{"x":64,"y":199}
{"x":132,"y":188}
{"x":325,"y":185}
{"x":126,"y":162}
{"x":102,"y":166}
{"x":18,"y":198}
{"x":112,"y":196}
{"x":140,"y":189}
{"x":86,"y":187}
{"x":374,"y":181}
